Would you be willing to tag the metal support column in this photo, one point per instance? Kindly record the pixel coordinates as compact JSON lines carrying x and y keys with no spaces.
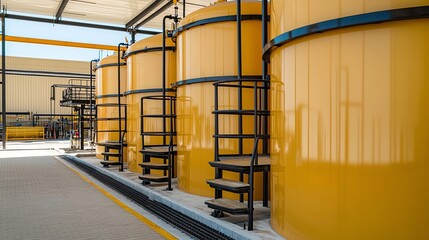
{"x":265,"y":76}
{"x":239,"y":76}
{"x":184,"y":8}
{"x":3,"y":75}
{"x":164,"y":78}
{"x":91,"y":104}
{"x":81,"y":126}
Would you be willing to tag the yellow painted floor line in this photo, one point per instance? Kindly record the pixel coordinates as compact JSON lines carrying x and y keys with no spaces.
{"x":140,"y":217}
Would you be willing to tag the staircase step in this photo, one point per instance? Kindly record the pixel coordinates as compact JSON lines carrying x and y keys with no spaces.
{"x":111,"y":154}
{"x":111,"y":144}
{"x":110,"y":105}
{"x":158,"y":116}
{"x":109,"y":119}
{"x":227,"y":205}
{"x":158,"y":134}
{"x":153,"y":178}
{"x":108,"y":163}
{"x":158,"y":150}
{"x":242,"y":112}
{"x":242,"y":164}
{"x":111,"y":131}
{"x":150,"y":165}
{"x":229,"y":185}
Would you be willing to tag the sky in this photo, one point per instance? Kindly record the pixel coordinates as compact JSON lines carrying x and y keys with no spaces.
{"x":60,"y":32}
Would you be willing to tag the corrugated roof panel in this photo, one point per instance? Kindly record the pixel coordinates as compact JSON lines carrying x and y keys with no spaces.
{"x":41,"y":7}
{"x":157,"y":22}
{"x":107,"y":11}
{"x":101,"y":11}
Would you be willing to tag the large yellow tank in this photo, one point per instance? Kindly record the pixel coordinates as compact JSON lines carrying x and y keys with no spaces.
{"x":349,"y":110}
{"x":144,"y":62}
{"x":106,"y":91}
{"x":207,"y":52}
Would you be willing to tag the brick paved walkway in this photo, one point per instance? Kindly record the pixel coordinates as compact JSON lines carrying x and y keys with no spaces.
{"x":40,"y":198}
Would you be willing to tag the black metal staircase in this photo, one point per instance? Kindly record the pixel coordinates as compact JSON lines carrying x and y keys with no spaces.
{"x":165,"y":151}
{"x":121,"y":118}
{"x":116,"y":145}
{"x":243,"y":163}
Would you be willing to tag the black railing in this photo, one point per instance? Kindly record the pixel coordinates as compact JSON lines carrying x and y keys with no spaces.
{"x":167,"y":103}
{"x":122,"y":120}
{"x":260,"y":115}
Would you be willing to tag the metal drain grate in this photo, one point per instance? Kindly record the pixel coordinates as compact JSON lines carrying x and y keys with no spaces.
{"x":173,"y":217}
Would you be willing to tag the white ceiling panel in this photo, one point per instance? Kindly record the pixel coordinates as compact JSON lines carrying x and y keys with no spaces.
{"x":41,"y":7}
{"x":117,"y":12}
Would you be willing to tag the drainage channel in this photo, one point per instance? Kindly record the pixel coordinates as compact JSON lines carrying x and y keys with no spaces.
{"x":173,"y":217}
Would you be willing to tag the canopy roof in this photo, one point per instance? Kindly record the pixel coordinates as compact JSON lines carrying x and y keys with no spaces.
{"x":129,"y":13}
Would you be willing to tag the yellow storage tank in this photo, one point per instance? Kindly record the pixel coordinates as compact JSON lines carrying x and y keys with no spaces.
{"x":144,"y":63}
{"x":349,"y":110}
{"x":207,"y":52}
{"x":106,"y":89}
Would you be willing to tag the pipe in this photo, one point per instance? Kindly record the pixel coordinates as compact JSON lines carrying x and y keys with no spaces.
{"x":264,"y":77}
{"x":3,"y":75}
{"x":164,"y":123}
{"x":120,"y":107}
{"x":184,"y":8}
{"x":90,"y":98}
{"x":133,"y":36}
{"x":81,"y":126}
{"x":77,"y":24}
{"x":239,"y":76}
{"x":59,"y":43}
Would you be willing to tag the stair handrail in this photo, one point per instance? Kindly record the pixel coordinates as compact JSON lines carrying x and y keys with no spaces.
{"x":253,"y":162}
{"x":121,"y":136}
{"x":121,"y":152}
{"x":171,"y":142}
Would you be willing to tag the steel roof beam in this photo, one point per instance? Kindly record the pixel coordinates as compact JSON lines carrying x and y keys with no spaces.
{"x":155,"y":14}
{"x":77,"y":24}
{"x":143,"y":13}
{"x":61,"y":9}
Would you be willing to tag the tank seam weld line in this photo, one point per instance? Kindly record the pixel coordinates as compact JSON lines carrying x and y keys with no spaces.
{"x":118,"y":202}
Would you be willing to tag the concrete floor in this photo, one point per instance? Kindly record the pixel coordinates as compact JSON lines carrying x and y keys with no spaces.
{"x":29,"y":200}
{"x":41,"y":198}
{"x":262,"y":225}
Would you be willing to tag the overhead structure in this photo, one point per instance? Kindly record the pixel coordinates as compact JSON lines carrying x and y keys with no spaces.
{"x":142,"y":14}
{"x":154,"y":14}
{"x":128,"y":13}
{"x":61,"y":9}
